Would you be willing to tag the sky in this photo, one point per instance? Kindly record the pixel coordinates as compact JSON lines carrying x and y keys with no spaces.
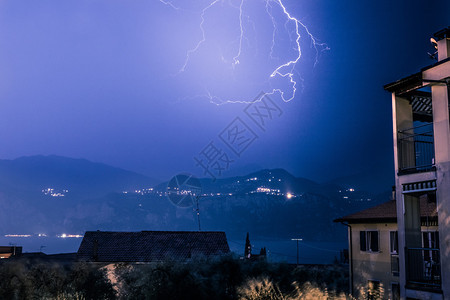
{"x":161,"y":87}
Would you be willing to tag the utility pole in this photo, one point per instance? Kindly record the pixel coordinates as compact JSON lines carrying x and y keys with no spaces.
{"x":198,"y":213}
{"x":14,"y":247}
{"x":297,"y":246}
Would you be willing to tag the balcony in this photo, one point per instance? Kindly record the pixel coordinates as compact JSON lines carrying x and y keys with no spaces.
{"x":423,"y":269}
{"x":416,"y":149}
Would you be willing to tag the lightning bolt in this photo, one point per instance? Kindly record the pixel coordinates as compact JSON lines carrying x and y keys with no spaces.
{"x":202,"y":40}
{"x":285,"y":70}
{"x":241,"y":36}
{"x":169,"y":3}
{"x":274,"y":31}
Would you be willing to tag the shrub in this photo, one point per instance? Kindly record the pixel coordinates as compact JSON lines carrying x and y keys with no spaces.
{"x":228,"y":278}
{"x":22,"y":279}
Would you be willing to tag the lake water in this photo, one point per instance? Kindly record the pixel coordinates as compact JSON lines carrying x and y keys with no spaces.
{"x":48,"y":245}
{"x":285,"y":250}
{"x":278,"y":250}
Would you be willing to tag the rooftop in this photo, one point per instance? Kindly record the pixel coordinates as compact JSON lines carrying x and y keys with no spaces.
{"x":387,"y":212}
{"x":443,"y":33}
{"x":150,"y":246}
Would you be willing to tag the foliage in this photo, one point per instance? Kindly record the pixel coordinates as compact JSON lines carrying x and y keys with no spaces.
{"x":230,"y":278}
{"x":264,"y":289}
{"x":22,"y":279}
{"x":226,"y":277}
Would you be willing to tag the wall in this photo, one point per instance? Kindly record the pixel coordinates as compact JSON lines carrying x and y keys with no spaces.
{"x":373,"y":265}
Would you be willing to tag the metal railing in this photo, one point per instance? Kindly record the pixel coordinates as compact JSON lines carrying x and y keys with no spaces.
{"x":423,"y":267}
{"x":416,"y":149}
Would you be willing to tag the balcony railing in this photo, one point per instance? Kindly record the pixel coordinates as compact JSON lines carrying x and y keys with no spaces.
{"x":416,"y":149}
{"x":423,"y":268}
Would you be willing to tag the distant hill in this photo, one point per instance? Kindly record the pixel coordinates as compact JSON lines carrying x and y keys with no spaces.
{"x":269,"y":203}
{"x":376,"y":180}
{"x":79,"y":176}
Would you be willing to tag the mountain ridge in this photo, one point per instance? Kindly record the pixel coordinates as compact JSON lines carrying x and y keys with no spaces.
{"x":268,"y":202}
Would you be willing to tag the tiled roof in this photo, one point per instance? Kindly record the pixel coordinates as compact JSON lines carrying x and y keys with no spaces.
{"x":150,"y":246}
{"x":387,"y":212}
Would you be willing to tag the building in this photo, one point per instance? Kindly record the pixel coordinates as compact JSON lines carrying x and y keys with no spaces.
{"x":248,"y":251}
{"x":150,"y":246}
{"x":421,"y":132}
{"x":10,"y":251}
{"x":374,"y":252}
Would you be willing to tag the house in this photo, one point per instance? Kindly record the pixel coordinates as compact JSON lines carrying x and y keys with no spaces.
{"x":421,"y":134}
{"x":150,"y":246}
{"x":374,"y":253}
{"x":10,"y":251}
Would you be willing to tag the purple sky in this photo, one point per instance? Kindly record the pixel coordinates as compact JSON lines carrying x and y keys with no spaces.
{"x":101,"y":80}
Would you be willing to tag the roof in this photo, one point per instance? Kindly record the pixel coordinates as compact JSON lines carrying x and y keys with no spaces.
{"x":387,"y":212}
{"x":443,"y":33}
{"x":406,"y":84}
{"x":150,"y":246}
{"x":411,"y":83}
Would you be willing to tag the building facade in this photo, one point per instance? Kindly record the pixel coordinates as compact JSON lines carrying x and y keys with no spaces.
{"x":421,"y":132}
{"x":10,"y":251}
{"x":374,"y":248}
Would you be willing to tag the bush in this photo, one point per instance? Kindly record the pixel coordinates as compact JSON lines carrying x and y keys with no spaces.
{"x":264,"y":289}
{"x":228,"y":278}
{"x":225,"y":278}
{"x":21,"y":279}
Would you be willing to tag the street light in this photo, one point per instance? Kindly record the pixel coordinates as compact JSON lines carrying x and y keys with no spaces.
{"x":297,"y":246}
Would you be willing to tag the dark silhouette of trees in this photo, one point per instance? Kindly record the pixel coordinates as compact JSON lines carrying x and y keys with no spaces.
{"x":226,"y":277}
{"x":22,"y":279}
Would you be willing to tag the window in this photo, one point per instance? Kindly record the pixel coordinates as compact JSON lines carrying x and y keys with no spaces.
{"x":395,"y":265}
{"x":430,"y":241}
{"x":394,"y":242}
{"x":395,"y":291}
{"x":368,"y":241}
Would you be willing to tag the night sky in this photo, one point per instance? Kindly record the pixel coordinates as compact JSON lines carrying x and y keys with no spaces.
{"x":138,"y":85}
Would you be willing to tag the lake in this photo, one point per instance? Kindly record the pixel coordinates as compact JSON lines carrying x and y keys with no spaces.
{"x":285,"y":250}
{"x":278,"y":250}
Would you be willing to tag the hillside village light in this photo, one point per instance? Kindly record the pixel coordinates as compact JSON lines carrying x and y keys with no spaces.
{"x":297,"y":246}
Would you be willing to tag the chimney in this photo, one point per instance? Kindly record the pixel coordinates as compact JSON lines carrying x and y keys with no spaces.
{"x":443,"y":43}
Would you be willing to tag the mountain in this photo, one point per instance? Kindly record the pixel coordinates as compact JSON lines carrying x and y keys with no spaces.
{"x":53,"y":195}
{"x":37,"y":193}
{"x":79,"y":176}
{"x":376,"y":181}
